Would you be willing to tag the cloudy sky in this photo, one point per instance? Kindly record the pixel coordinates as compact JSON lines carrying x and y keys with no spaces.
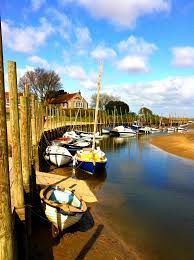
{"x":146,"y":47}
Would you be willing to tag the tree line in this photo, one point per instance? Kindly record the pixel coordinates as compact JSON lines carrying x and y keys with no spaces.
{"x":47,"y":84}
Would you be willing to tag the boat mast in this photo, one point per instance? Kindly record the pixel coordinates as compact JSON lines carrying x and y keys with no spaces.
{"x":97,"y":105}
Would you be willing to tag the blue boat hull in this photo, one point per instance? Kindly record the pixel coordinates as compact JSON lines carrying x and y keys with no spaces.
{"x":90,"y":167}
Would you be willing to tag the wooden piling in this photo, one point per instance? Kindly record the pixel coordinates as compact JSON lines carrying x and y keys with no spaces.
{"x":25,"y":139}
{"x":15,"y":141}
{"x":6,"y":234}
{"x":33,"y":120}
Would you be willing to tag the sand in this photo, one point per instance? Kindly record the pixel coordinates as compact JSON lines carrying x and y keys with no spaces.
{"x":180,"y":144}
{"x":90,"y":238}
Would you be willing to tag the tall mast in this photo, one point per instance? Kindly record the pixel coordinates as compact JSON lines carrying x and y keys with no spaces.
{"x":97,"y":105}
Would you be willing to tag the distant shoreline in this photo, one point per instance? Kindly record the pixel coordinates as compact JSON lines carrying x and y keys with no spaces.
{"x":180,"y":144}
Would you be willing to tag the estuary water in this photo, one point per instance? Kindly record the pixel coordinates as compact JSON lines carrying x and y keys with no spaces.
{"x":147,"y":198}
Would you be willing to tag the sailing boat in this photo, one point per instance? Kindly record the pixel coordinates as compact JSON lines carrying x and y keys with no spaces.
{"x":92,"y":159}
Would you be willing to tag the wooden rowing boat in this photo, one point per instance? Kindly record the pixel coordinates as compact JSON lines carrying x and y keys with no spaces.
{"x":63,"y":207}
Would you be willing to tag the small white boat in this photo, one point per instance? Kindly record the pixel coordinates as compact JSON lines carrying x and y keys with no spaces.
{"x":122,"y":131}
{"x":58,"y":155}
{"x":184,"y":125}
{"x":171,"y":129}
{"x":63,"y":140}
{"x":155,"y":130}
{"x":91,"y":135}
{"x":181,"y":129}
{"x":106,"y":130}
{"x":63,"y":207}
{"x":71,"y":134}
{"x":145,"y":130}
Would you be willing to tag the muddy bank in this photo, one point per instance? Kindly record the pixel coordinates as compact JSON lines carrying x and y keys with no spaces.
{"x":180,"y":144}
{"x":88,"y":239}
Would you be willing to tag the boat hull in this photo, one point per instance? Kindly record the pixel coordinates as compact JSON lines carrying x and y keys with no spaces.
{"x":59,"y":220}
{"x":91,"y":167}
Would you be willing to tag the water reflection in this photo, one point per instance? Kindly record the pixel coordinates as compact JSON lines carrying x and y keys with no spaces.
{"x":154,"y":193}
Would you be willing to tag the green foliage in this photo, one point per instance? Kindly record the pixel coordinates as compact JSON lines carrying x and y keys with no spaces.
{"x":119,"y":106}
{"x":145,"y":111}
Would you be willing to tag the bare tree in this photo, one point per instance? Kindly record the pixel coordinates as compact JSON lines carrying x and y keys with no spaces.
{"x":41,"y":81}
{"x":104,"y":100}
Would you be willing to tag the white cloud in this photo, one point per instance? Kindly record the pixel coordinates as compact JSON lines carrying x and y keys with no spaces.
{"x":37,"y":4}
{"x":183,"y":56}
{"x":83,"y":36}
{"x":26,"y":39}
{"x":101,"y":53}
{"x":75,"y":72}
{"x":137,"y":46}
{"x":39,"y":61}
{"x":62,"y":23}
{"x":133,"y":64}
{"x":173,"y":94}
{"x":123,"y":12}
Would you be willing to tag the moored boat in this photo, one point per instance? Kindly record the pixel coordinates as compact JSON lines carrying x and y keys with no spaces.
{"x":122,"y":131}
{"x":63,"y":140}
{"x":106,"y":130}
{"x":63,"y":207}
{"x":90,"y":160}
{"x":58,"y":155}
{"x":78,"y":145}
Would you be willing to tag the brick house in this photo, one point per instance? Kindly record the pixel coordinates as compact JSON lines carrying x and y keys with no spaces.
{"x":69,"y":100}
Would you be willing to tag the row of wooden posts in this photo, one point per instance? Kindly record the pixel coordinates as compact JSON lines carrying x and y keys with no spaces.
{"x":27,"y":124}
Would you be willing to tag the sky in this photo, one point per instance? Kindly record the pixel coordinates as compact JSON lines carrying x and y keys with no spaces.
{"x":146,"y":48}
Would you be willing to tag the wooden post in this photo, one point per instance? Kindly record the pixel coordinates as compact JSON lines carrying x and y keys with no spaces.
{"x":58,"y":117}
{"x":6,"y":234}
{"x":70,"y":116}
{"x":15,"y":136}
{"x":46,"y":118}
{"x":33,"y":120}
{"x":27,"y":95}
{"x":25,"y":139}
{"x":50,"y":118}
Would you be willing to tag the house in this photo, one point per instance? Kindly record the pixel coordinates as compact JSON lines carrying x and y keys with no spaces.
{"x":67,"y":100}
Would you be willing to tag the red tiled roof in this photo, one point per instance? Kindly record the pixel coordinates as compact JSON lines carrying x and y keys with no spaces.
{"x":62,"y":98}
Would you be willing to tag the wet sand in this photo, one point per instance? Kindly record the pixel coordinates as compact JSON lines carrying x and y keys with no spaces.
{"x":180,"y":144}
{"x":90,"y":238}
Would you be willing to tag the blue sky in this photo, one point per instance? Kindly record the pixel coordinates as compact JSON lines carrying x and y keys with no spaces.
{"x":146,"y":47}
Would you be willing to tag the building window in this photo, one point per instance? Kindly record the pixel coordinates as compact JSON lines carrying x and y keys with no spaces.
{"x":64,"y":105}
{"x":78,"y":104}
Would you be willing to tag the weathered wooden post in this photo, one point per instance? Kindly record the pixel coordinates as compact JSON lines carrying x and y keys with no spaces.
{"x":46,"y":118}
{"x":70,"y":116}
{"x":15,"y":141}
{"x":33,"y":120}
{"x":50,"y":118}
{"x":58,"y":116}
{"x":25,"y":139}
{"x":6,"y":234}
